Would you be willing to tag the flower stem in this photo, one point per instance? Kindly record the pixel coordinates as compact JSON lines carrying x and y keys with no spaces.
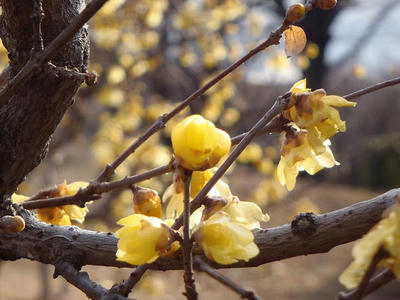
{"x":187,"y":243}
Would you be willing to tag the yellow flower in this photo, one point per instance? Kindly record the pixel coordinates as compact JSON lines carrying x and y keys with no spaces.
{"x":142,"y":239}
{"x":197,"y":144}
{"x":385,"y":234}
{"x":314,"y":112}
{"x":224,"y":241}
{"x":64,"y":214}
{"x":147,"y":202}
{"x":299,"y":87}
{"x":297,"y":154}
{"x":61,"y":215}
{"x":16,"y":198}
{"x":245,"y":213}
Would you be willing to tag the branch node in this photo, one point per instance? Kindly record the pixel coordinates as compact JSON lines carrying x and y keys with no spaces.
{"x":304,"y":225}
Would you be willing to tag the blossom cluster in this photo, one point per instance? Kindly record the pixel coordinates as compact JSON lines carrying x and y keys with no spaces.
{"x":313,"y":120}
{"x":221,"y":227}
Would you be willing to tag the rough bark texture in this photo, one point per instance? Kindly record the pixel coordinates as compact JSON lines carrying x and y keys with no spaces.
{"x":33,"y":113}
{"x":83,"y":247}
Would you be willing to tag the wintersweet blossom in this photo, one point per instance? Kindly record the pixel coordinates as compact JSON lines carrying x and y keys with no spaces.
{"x":245,"y":213}
{"x":313,"y":120}
{"x":143,"y":239}
{"x":224,"y":240}
{"x":60,"y":215}
{"x":385,"y":234}
{"x":198,"y":144}
{"x":297,"y":154}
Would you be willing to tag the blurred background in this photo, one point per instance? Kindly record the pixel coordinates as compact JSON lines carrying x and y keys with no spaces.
{"x":151,"y":54}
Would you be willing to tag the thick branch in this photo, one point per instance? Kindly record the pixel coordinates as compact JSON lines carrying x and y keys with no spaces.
{"x":96,"y":248}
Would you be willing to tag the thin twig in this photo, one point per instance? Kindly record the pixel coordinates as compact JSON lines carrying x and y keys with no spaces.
{"x":126,"y":287}
{"x":203,"y":267}
{"x":273,"y":39}
{"x":82,"y":281}
{"x":89,"y":78}
{"x":187,"y":243}
{"x":372,"y":88}
{"x":94,"y":190}
{"x":280,"y":105}
{"x":37,"y":61}
{"x":375,"y":283}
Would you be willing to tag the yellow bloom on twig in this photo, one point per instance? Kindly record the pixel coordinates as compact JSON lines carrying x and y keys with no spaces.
{"x":313,"y":121}
{"x":385,"y":234}
{"x":143,"y":239}
{"x":225,"y":241}
{"x":198,"y":144}
{"x":60,"y":215}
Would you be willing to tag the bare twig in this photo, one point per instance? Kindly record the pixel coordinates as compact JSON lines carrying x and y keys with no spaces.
{"x":126,"y":287}
{"x":375,"y":283}
{"x":280,"y":105}
{"x":277,"y":243}
{"x":89,"y":78}
{"x":37,"y":61}
{"x":187,"y":243}
{"x":203,"y":267}
{"x":360,"y":291}
{"x":372,"y":88}
{"x":82,"y":281}
{"x":95,"y":189}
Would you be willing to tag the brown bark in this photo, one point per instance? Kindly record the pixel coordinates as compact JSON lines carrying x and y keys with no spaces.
{"x":50,"y":244}
{"x":32,"y":114}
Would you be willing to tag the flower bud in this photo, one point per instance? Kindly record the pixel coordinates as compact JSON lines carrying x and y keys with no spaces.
{"x":326,"y":4}
{"x":146,"y":202}
{"x":294,"y":13}
{"x":198,"y":144}
{"x":12,"y":224}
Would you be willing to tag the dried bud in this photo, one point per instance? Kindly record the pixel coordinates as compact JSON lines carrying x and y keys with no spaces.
{"x":294,"y":13}
{"x":12,"y":224}
{"x":147,"y":202}
{"x":326,"y":4}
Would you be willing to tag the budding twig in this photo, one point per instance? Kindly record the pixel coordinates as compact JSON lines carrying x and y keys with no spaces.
{"x":94,"y":190}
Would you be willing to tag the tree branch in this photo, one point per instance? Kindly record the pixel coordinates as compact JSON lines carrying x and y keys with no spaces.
{"x":97,"y":248}
{"x":37,"y":61}
{"x":82,"y":281}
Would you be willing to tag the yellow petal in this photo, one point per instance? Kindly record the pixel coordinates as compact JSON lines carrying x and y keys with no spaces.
{"x":338,"y":101}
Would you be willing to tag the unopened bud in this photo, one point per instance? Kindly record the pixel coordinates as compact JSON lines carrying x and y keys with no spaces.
{"x":12,"y":224}
{"x":326,"y":4}
{"x":147,"y":202}
{"x":294,"y":13}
